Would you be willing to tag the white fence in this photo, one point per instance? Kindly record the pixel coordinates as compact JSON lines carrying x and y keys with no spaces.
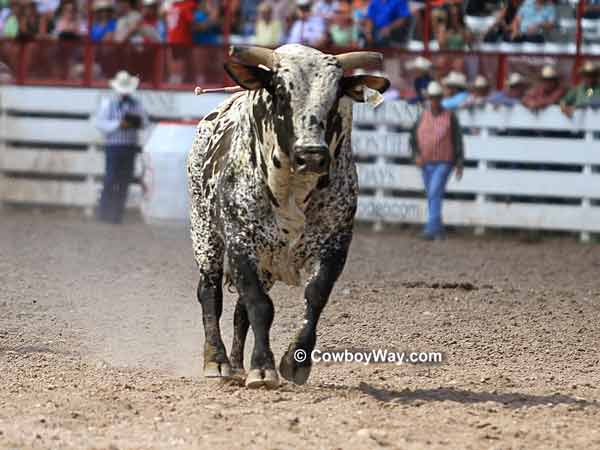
{"x":50,"y":154}
{"x":511,"y":181}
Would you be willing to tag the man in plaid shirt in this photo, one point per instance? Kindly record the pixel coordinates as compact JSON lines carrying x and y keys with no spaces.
{"x":119,"y":119}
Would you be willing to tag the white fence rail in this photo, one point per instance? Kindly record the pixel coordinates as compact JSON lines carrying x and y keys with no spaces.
{"x":51,"y":154}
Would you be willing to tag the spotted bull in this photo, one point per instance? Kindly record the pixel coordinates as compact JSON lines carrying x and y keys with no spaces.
{"x":273,"y":193}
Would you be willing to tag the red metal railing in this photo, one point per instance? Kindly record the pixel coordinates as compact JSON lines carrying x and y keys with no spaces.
{"x":167,"y":66}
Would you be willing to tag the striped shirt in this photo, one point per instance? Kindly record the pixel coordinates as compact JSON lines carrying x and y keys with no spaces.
{"x":434,"y":136}
{"x":108,"y":120}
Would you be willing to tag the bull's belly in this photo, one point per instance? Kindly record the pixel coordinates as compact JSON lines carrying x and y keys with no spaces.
{"x":283,"y":263}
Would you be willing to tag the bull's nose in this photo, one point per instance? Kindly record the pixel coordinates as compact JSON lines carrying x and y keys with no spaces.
{"x":314,"y":159}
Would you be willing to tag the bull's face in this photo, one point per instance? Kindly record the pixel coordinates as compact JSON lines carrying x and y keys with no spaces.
{"x":305,"y":86}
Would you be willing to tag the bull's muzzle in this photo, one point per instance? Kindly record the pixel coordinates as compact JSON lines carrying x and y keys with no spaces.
{"x":311,"y":159}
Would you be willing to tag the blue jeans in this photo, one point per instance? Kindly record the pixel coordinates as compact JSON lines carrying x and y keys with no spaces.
{"x":118,"y":175}
{"x":435,"y":177}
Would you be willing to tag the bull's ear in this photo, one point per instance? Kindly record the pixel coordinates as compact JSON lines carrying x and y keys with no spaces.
{"x":353,"y":86}
{"x":248,"y":77}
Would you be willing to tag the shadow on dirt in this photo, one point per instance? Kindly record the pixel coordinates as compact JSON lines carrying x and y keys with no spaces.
{"x":507,"y":399}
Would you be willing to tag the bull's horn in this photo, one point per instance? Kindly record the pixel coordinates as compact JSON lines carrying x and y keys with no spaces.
{"x":363,"y":60}
{"x":251,"y":55}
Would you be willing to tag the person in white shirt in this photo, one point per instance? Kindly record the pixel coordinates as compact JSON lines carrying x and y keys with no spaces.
{"x":307,"y":29}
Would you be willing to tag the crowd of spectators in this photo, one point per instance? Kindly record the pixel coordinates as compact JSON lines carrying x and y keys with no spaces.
{"x":344,"y":23}
{"x":536,"y":93}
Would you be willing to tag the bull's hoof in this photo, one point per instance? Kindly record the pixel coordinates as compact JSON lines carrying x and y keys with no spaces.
{"x":238,"y":375}
{"x":291,"y":371}
{"x":258,"y":378}
{"x":217,"y":370}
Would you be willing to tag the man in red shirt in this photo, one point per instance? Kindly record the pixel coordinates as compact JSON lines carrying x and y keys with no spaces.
{"x":179,"y":17}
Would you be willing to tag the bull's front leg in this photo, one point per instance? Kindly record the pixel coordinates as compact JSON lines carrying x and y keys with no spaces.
{"x":260,"y":311}
{"x":296,"y":363}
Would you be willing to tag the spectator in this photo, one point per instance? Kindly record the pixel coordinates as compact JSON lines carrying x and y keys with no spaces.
{"x":456,"y":93}
{"x":586,"y":94}
{"x":452,"y":33}
{"x":387,"y":23}
{"x":479,"y":94}
{"x":29,"y":21}
{"x":179,"y":18}
{"x":119,"y":119}
{"x":104,"y":24}
{"x":268,"y":30}
{"x":10,"y":28}
{"x":533,"y":20}
{"x":307,"y":29}
{"x":151,"y":29}
{"x":501,"y":28}
{"x":47,"y":10}
{"x":437,"y":144}
{"x":511,"y":96}
{"x":324,"y":9}
{"x":342,"y":32}
{"x":591,"y":9}
{"x":481,"y":7}
{"x":547,"y":92}
{"x":68,"y":23}
{"x":205,"y":27}
{"x":5,"y":12}
{"x":128,"y":20}
{"x":422,"y":67}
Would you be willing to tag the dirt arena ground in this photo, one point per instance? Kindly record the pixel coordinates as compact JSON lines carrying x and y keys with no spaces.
{"x":101,"y":337}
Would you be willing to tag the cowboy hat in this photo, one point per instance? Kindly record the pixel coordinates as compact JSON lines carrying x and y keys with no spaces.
{"x":549,"y":73}
{"x":419,"y":63}
{"x":588,"y":68}
{"x":480,"y":82}
{"x":99,"y":5}
{"x":455,"y":79}
{"x":124,"y":84}
{"x":434,"y":89}
{"x":515,"y":79}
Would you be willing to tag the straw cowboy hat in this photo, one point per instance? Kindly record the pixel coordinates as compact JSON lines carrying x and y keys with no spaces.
{"x":549,"y":73}
{"x":124,"y":84}
{"x":99,"y":5}
{"x":480,"y":82}
{"x":588,"y":68}
{"x":419,"y":63}
{"x":515,"y":79}
{"x":455,"y":79}
{"x":434,"y":89}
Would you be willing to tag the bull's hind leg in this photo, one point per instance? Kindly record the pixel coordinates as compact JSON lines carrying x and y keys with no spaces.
{"x":259,"y":308}
{"x":210,"y":296}
{"x":296,"y":363}
{"x":209,"y":254}
{"x":240,"y":331}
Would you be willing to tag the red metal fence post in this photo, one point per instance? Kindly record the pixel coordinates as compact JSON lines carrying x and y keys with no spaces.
{"x":578,"y":40}
{"x":226,"y":34}
{"x":88,"y":60}
{"x":427,"y":27}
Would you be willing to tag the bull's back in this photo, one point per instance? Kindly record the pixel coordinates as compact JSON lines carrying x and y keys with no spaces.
{"x":211,"y":145}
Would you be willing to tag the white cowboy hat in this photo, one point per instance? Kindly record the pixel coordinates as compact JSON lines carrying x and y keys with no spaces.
{"x":102,"y":4}
{"x":588,"y":68}
{"x":419,"y":63}
{"x":480,"y":82}
{"x":455,"y":79}
{"x":434,"y":89}
{"x":549,"y":73}
{"x":515,"y":79}
{"x":123,"y":83}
